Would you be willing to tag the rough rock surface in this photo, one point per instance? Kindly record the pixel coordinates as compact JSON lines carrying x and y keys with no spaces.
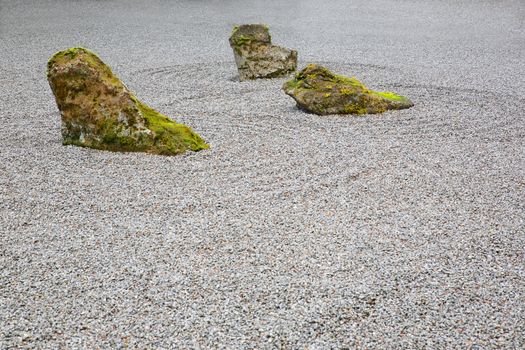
{"x":255,"y":55}
{"x":317,"y":90}
{"x":99,"y":111}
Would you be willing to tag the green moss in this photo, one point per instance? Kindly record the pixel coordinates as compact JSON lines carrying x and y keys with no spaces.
{"x":389,"y":95}
{"x":241,"y":40}
{"x":339,"y":79}
{"x":170,"y":137}
{"x":293,"y":84}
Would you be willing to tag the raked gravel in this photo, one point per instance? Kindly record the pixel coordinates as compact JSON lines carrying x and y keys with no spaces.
{"x":396,"y":231}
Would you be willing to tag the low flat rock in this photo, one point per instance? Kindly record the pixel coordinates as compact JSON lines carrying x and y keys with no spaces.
{"x":99,"y":111}
{"x":255,"y":55}
{"x":317,"y":90}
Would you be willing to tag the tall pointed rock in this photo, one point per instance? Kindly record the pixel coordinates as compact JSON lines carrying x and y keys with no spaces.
{"x":99,"y":111}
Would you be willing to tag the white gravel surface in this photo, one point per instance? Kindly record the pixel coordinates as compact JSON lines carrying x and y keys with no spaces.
{"x":398,"y":231}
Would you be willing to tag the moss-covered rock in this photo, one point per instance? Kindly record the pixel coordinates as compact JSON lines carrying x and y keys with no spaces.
{"x":255,"y":55}
{"x":319,"y":91}
{"x":98,"y":110}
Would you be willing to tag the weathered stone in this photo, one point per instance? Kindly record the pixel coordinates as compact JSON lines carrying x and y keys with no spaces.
{"x":319,"y":91}
{"x":255,"y":55}
{"x":98,"y":110}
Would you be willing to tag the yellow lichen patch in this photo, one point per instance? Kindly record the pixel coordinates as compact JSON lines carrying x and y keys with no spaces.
{"x":354,"y":109}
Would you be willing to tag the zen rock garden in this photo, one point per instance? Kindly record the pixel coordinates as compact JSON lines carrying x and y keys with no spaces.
{"x":175,"y":175}
{"x":99,"y":111}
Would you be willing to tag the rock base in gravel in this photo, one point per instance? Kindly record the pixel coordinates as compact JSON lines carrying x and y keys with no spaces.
{"x":98,"y":110}
{"x":319,"y":91}
{"x":255,"y":55}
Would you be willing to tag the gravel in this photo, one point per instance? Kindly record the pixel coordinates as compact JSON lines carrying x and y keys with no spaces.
{"x":404,"y":230}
